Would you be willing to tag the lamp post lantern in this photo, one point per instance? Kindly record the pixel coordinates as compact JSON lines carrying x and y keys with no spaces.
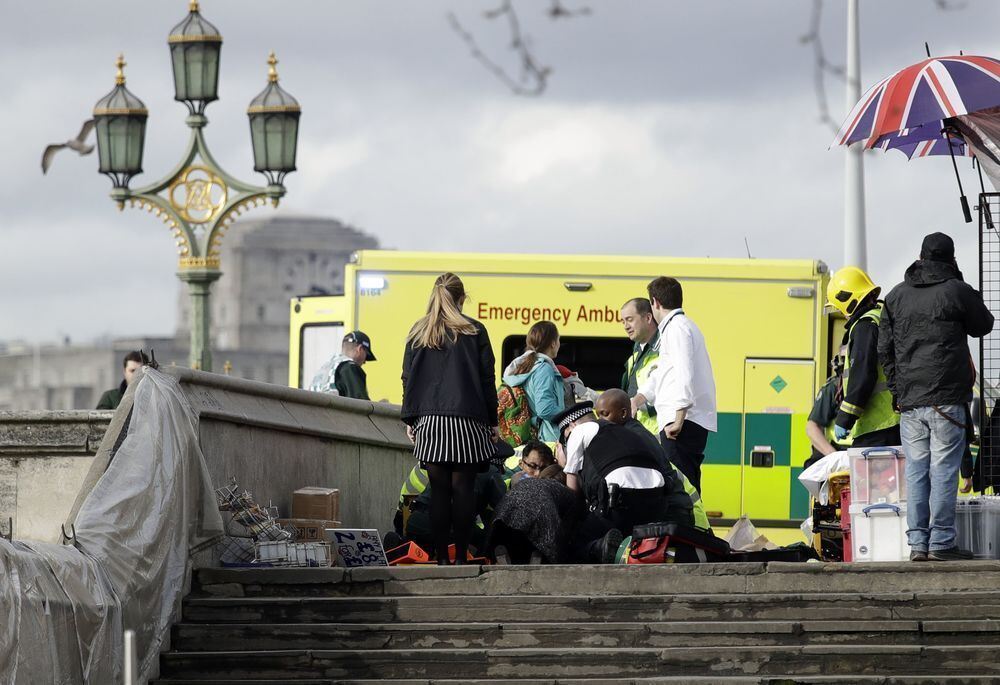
{"x":198,"y":200}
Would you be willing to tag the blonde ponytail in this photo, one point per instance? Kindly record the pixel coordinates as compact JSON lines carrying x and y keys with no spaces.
{"x":444,"y":320}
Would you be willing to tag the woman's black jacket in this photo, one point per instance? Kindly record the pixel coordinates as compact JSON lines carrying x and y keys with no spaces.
{"x":458,"y":380}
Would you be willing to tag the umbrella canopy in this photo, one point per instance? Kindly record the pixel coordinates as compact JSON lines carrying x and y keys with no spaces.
{"x":931,"y":148}
{"x":923,"y":94}
{"x":925,"y":143}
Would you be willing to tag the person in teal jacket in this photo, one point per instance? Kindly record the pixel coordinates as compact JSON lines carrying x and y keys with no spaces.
{"x":542,"y":382}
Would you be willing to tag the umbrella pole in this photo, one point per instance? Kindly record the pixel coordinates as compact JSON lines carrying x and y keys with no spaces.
{"x":965,"y":202}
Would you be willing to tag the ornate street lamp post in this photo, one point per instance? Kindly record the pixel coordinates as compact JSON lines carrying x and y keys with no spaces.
{"x":198,"y":200}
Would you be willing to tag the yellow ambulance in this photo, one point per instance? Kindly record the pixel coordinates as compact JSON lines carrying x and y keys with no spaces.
{"x":763,"y":320}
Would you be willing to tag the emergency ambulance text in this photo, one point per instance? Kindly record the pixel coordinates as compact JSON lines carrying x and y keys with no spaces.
{"x":560,"y":316}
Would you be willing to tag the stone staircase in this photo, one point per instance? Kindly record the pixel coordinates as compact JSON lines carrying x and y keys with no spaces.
{"x":711,"y":623}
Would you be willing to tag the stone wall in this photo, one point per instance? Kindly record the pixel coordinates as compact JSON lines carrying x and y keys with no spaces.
{"x":44,"y":457}
{"x":273,"y":440}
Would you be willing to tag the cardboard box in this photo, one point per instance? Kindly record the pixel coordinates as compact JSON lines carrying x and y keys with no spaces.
{"x":308,"y":530}
{"x":318,"y":504}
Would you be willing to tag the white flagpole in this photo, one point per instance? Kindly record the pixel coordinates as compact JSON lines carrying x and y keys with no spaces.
{"x":855,"y":241}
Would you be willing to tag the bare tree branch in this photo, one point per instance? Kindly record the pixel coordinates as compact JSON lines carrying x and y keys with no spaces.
{"x":533,"y":78}
{"x":824,"y":67}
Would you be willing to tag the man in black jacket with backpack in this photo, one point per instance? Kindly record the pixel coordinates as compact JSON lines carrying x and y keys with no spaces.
{"x":923,"y":348}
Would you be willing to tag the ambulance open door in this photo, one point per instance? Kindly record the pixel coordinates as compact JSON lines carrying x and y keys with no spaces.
{"x":316,"y":334}
{"x":777,"y":398}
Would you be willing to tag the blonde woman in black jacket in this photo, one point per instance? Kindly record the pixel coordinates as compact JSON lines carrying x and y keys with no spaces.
{"x":450,"y":410}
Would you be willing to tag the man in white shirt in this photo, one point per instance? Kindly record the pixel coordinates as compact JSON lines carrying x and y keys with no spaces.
{"x":617,"y":473}
{"x":682,"y":389}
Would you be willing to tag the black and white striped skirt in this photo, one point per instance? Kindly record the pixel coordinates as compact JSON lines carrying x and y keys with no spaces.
{"x":453,"y":440}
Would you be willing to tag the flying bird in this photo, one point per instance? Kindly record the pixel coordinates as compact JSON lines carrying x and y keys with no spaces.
{"x":78,"y":144}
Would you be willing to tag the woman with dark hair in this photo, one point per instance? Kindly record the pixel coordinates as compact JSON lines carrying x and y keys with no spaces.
{"x":450,"y":410}
{"x":542,"y":382}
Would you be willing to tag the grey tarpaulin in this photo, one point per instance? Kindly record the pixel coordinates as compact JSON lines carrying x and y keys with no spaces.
{"x":63,"y":609}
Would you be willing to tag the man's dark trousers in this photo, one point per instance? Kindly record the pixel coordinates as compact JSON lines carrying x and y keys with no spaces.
{"x":687,"y":451}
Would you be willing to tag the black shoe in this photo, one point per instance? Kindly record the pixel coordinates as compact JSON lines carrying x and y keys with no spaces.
{"x":950,"y":554}
{"x":501,"y":556}
{"x":918,"y":555}
{"x":610,"y":543}
{"x":392,"y":540}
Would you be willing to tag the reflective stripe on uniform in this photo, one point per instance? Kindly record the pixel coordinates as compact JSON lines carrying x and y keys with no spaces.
{"x":650,"y":359}
{"x":877,"y":414}
{"x":851,"y":408}
{"x":414,"y":484}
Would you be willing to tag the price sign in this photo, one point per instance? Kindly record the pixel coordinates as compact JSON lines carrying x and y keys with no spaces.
{"x":357,"y":547}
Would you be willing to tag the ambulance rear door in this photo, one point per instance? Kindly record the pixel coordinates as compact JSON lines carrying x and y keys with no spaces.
{"x":777,"y":397}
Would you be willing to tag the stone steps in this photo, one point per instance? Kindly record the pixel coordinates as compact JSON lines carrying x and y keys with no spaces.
{"x":670,"y":579}
{"x":668,"y":680}
{"x":588,"y":662}
{"x":732,"y":624}
{"x":196,"y":637}
{"x":647,"y":608}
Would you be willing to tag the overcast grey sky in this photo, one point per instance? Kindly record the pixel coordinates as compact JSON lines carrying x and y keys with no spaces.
{"x":673,"y":128}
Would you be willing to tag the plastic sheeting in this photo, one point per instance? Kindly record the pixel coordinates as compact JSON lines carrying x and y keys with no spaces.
{"x":63,"y":608}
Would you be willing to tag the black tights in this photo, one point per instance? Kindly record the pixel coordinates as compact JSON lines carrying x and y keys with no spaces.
{"x":453,"y":507}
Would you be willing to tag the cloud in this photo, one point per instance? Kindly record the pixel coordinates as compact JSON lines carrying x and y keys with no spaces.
{"x":669,"y":128}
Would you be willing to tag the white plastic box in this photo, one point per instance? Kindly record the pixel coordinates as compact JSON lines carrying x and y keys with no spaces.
{"x":878,"y":475}
{"x":977,"y":523}
{"x":878,"y":531}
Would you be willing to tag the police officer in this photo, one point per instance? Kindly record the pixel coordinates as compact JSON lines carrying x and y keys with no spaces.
{"x":343,"y":375}
{"x":866,"y":413}
{"x":618,"y":474}
{"x":641,"y":329}
{"x":613,"y":405}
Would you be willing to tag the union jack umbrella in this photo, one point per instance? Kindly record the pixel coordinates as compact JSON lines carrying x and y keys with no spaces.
{"x":929,"y":91}
{"x":911,"y":109}
{"x":928,"y":147}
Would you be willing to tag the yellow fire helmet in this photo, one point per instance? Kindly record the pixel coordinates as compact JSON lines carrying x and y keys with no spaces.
{"x":847,"y":288}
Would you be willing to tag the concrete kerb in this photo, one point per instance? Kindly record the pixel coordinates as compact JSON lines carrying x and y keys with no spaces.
{"x":900,"y":581}
{"x":877,"y":577}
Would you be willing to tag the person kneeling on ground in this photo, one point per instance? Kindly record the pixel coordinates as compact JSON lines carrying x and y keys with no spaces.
{"x":620,"y":478}
{"x":535,"y":520}
{"x":412,"y":521}
{"x":615,"y":406}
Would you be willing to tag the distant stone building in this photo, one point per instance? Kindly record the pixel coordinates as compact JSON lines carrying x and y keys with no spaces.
{"x":265,"y":264}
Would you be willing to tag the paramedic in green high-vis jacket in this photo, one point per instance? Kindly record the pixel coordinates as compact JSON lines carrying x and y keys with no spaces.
{"x":641,"y":329}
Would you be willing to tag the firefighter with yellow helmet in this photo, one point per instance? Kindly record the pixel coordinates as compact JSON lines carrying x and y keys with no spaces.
{"x":866,"y":413}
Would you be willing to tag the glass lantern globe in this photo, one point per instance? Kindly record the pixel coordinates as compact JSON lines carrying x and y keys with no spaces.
{"x":195,"y":48}
{"x":120,"y":123}
{"x":274,"y":128}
